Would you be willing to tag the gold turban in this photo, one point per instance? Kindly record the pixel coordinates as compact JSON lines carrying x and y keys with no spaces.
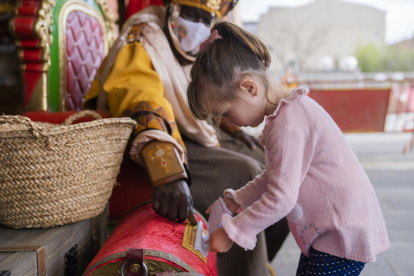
{"x":217,"y":7}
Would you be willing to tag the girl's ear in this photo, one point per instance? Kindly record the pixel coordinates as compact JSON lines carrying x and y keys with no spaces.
{"x":248,"y":85}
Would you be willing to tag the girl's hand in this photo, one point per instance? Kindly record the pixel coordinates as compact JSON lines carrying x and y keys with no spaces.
{"x":219,"y":241}
{"x":230,"y":204}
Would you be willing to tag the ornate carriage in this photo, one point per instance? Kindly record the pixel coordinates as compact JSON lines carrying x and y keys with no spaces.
{"x":61,"y":45}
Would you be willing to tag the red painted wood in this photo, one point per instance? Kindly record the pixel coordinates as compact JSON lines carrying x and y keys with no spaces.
{"x":32,"y":55}
{"x":355,"y":110}
{"x":30,"y":79}
{"x":31,"y":3}
{"x":24,"y":26}
{"x":60,"y":117}
{"x":27,"y":11}
{"x":156,"y":233}
{"x":30,"y":43}
{"x":410,"y":100}
{"x":34,"y":67}
{"x":137,"y":5}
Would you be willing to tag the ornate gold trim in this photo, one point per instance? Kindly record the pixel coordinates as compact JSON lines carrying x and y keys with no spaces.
{"x":41,"y":28}
{"x":169,"y":257}
{"x":12,"y":28}
{"x":42,"y":31}
{"x":188,"y":240}
{"x":147,"y":252}
{"x":109,"y":20}
{"x":152,"y":266}
{"x":66,"y":9}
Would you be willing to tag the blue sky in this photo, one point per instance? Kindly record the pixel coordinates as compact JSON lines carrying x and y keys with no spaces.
{"x":399,"y":13}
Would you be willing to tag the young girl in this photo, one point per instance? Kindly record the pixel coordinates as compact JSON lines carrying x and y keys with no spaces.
{"x":312,"y":177}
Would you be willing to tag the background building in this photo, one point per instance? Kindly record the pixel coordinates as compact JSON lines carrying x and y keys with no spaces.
{"x":300,"y":36}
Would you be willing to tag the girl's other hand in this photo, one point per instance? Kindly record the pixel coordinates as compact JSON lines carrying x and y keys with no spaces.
{"x":219,"y":241}
{"x":230,"y":204}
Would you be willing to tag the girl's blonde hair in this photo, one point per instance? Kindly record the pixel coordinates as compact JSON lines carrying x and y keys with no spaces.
{"x":218,"y":70}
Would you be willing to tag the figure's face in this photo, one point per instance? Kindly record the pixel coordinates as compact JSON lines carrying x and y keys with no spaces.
{"x":196,"y":15}
{"x":250,"y":106}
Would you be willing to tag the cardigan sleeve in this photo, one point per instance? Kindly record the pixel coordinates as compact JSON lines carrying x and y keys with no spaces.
{"x":250,"y":193}
{"x":289,"y":140}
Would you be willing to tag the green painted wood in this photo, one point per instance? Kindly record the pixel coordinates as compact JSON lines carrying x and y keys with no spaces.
{"x":54,"y":72}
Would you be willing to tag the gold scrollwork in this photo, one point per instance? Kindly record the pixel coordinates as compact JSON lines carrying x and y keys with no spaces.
{"x":109,"y":20}
{"x":42,"y":31}
{"x":110,"y":268}
{"x":154,"y":267}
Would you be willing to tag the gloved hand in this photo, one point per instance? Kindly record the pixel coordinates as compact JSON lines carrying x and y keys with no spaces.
{"x":250,"y":141}
{"x":174,"y":201}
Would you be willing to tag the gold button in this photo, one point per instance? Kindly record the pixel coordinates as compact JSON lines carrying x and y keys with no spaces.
{"x":134,"y":268}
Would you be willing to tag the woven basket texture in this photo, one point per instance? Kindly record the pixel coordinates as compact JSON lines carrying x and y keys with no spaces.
{"x":53,"y":175}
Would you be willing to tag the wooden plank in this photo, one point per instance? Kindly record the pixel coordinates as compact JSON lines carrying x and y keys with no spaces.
{"x":57,"y":242}
{"x":56,"y":249}
{"x":20,"y":263}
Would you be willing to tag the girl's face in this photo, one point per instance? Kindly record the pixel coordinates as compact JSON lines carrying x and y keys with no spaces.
{"x":249,"y":108}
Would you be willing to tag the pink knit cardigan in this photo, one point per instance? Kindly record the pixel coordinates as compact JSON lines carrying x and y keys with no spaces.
{"x":314,"y":179}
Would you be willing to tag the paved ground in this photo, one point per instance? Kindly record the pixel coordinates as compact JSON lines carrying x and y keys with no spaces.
{"x":392,"y":175}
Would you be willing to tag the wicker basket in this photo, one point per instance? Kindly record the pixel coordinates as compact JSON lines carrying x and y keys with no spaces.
{"x":53,"y":175}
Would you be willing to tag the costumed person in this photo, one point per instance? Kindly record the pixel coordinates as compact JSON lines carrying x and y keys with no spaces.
{"x":312,"y":175}
{"x":289,"y":79}
{"x":145,"y":76}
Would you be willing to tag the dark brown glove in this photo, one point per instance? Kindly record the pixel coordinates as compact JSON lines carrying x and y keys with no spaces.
{"x":174,"y":201}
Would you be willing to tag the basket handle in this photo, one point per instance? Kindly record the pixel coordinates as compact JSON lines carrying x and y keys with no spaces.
{"x":17,"y":119}
{"x":81,"y":114}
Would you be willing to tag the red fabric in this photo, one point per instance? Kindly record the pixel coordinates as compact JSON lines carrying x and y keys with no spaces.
{"x":134,"y":188}
{"x":60,"y":117}
{"x":144,"y":229}
{"x":355,"y":110}
{"x":85,"y":51}
{"x":137,"y":5}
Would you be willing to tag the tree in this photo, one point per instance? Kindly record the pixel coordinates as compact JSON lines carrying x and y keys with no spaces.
{"x":301,"y":41}
{"x":389,"y":58}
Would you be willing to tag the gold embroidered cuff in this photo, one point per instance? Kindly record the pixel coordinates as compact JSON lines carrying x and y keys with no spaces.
{"x":162,"y":163}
